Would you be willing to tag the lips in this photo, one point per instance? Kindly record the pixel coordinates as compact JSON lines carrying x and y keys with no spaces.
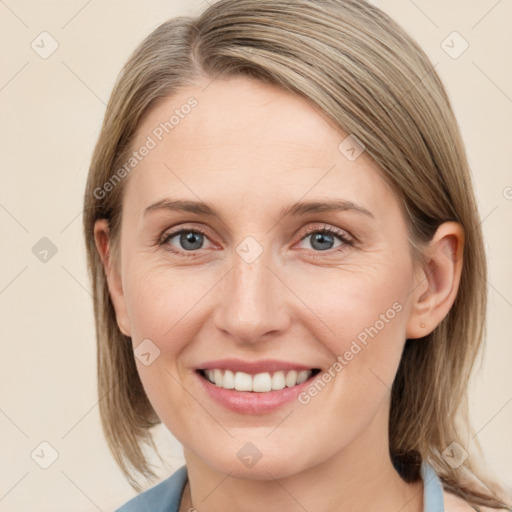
{"x":252,"y":387}
{"x":252,"y":367}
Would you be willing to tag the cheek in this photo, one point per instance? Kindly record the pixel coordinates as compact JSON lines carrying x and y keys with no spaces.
{"x":161,"y":303}
{"x":366,"y":310}
{"x":362,"y":305}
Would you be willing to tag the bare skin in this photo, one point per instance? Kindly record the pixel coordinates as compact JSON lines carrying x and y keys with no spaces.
{"x":250,"y":150}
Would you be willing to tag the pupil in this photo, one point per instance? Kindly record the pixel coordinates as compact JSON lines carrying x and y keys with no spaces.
{"x":192,"y":238}
{"x":321,"y":238}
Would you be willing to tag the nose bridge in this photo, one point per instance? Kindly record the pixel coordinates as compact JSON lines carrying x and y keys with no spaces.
{"x":250,"y":307}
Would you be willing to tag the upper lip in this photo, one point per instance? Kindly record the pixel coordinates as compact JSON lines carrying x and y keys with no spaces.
{"x":252,"y":367}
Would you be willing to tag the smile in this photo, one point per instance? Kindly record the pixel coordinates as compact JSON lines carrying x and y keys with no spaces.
{"x":259,"y":383}
{"x":254,"y":387}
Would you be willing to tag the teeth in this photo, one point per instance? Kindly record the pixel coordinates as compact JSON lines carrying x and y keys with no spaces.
{"x":260,"y":383}
{"x":243,"y":382}
{"x":217,"y":377}
{"x":278,"y":380}
{"x":302,"y":376}
{"x":291,"y":379}
{"x":229,"y":380}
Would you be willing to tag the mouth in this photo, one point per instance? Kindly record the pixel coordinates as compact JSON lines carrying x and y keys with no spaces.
{"x":254,"y":387}
{"x":263,"y":382}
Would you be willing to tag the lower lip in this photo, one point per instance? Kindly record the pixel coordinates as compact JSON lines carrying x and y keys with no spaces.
{"x":252,"y":402}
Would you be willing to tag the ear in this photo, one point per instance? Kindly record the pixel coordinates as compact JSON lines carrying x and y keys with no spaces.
{"x":112,"y":273}
{"x":437,"y":283}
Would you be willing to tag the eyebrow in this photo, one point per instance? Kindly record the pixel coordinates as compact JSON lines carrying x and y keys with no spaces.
{"x":296,"y":209}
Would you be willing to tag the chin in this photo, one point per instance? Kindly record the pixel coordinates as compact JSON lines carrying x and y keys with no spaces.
{"x":245,"y":460}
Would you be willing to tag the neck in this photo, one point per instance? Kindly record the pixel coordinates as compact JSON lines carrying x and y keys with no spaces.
{"x":359,"y":477}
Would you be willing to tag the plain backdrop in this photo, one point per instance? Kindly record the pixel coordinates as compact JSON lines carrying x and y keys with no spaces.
{"x":51,"y":113}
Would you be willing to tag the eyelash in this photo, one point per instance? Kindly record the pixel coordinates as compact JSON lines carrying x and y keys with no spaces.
{"x":339,"y":234}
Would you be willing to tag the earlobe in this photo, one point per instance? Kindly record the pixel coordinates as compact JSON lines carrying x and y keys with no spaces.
{"x":112,"y":274}
{"x":437,"y":283}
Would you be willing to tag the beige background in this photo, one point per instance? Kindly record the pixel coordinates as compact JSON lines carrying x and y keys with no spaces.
{"x":51,"y":111}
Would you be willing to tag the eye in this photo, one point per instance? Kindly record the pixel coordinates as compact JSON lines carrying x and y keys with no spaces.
{"x":323,"y":239}
{"x":186,"y":242}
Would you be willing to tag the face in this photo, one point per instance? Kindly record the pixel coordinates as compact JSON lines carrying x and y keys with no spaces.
{"x":252,"y":292}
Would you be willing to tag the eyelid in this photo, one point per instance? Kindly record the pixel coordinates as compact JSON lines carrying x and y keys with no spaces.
{"x":173,"y":231}
{"x":343,"y":236}
{"x":342,"y":233}
{"x":346,"y":239}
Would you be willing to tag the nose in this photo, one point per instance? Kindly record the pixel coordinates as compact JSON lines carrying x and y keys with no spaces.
{"x":252,"y":305}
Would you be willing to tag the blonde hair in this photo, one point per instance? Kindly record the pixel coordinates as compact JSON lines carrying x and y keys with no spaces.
{"x":372,"y":80}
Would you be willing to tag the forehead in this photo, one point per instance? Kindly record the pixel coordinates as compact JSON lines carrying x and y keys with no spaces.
{"x":240,"y":138}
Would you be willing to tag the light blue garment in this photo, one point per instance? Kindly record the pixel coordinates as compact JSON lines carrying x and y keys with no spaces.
{"x":433,"y":498}
{"x":165,"y":496}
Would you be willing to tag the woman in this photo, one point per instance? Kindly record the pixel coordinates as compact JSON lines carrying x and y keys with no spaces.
{"x":288,"y":265}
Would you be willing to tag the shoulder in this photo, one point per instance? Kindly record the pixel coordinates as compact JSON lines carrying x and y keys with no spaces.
{"x":163,"y":497}
{"x":454,"y":503}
